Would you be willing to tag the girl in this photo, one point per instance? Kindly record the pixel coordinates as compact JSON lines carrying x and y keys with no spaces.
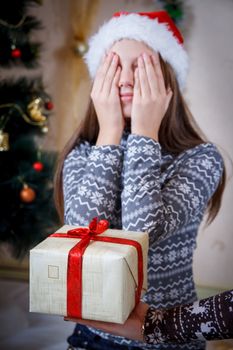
{"x":139,"y":160}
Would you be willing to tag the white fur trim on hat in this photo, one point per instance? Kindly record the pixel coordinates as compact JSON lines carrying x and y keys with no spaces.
{"x":133,"y":26}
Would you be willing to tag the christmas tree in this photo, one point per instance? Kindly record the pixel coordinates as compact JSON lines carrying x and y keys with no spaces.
{"x":27,"y":211}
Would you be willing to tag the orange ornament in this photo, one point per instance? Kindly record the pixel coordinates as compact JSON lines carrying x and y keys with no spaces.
{"x":27,"y":194}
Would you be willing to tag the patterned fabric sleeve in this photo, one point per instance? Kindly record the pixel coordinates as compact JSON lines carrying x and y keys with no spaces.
{"x":207,"y":319}
{"x":91,"y":183}
{"x":162,"y":207}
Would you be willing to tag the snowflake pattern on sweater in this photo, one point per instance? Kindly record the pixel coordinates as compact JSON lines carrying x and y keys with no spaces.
{"x":138,"y":186}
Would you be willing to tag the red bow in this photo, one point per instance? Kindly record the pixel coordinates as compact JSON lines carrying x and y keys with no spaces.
{"x":94,"y":228}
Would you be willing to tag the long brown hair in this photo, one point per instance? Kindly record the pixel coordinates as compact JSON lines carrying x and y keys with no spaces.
{"x":178,"y":132}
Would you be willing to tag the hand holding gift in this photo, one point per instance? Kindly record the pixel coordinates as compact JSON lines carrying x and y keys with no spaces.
{"x":131,"y":329}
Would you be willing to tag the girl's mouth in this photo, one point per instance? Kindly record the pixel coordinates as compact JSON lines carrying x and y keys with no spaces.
{"x":126,"y":97}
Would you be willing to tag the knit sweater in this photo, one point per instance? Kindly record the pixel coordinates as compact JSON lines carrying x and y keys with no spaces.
{"x":210,"y":319}
{"x":139,"y":186}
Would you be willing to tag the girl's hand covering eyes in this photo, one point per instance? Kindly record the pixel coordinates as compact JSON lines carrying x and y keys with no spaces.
{"x":106,"y":100}
{"x":151,"y":99}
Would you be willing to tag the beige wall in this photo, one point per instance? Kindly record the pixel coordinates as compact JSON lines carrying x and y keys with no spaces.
{"x":209,"y":93}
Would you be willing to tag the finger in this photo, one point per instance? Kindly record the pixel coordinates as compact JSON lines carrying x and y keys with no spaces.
{"x":101,"y":72}
{"x":144,"y":85}
{"x":137,"y":88}
{"x":116,"y":79}
{"x":105,"y":326}
{"x":110,"y":74}
{"x":152,"y":77}
{"x":158,"y":71}
{"x":81,"y":321}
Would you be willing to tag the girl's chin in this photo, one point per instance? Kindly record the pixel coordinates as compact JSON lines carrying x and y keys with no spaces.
{"x":127,"y":111}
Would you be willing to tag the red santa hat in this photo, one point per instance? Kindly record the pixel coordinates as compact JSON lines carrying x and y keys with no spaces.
{"x":156,"y":29}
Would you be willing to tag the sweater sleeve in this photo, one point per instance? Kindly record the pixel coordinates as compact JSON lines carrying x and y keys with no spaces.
{"x":161,"y":207}
{"x":91,"y":182}
{"x":207,"y":319}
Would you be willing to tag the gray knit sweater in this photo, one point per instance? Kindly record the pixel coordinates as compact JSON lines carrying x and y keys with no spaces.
{"x":138,"y":186}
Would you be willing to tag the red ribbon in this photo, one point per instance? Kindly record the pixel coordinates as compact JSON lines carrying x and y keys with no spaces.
{"x":74,"y":268}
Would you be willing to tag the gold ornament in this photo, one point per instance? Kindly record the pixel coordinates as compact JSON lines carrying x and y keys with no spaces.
{"x":4,"y":141}
{"x":80,"y":47}
{"x":35,"y":110}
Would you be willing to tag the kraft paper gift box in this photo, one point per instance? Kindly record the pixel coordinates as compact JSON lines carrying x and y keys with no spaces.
{"x":109,"y":276}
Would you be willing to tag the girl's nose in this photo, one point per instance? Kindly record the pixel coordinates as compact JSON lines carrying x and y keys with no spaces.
{"x":126,"y":77}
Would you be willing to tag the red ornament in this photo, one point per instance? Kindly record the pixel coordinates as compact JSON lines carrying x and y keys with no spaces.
{"x":16,"y":53}
{"x":38,"y":166}
{"x":27,"y":194}
{"x":49,"y":105}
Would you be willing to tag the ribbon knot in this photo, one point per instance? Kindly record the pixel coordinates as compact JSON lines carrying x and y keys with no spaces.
{"x":95,"y":228}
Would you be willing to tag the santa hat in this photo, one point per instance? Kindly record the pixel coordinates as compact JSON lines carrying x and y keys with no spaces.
{"x":156,"y":29}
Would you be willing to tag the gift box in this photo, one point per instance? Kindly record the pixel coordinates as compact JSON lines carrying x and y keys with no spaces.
{"x":85,"y":273}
